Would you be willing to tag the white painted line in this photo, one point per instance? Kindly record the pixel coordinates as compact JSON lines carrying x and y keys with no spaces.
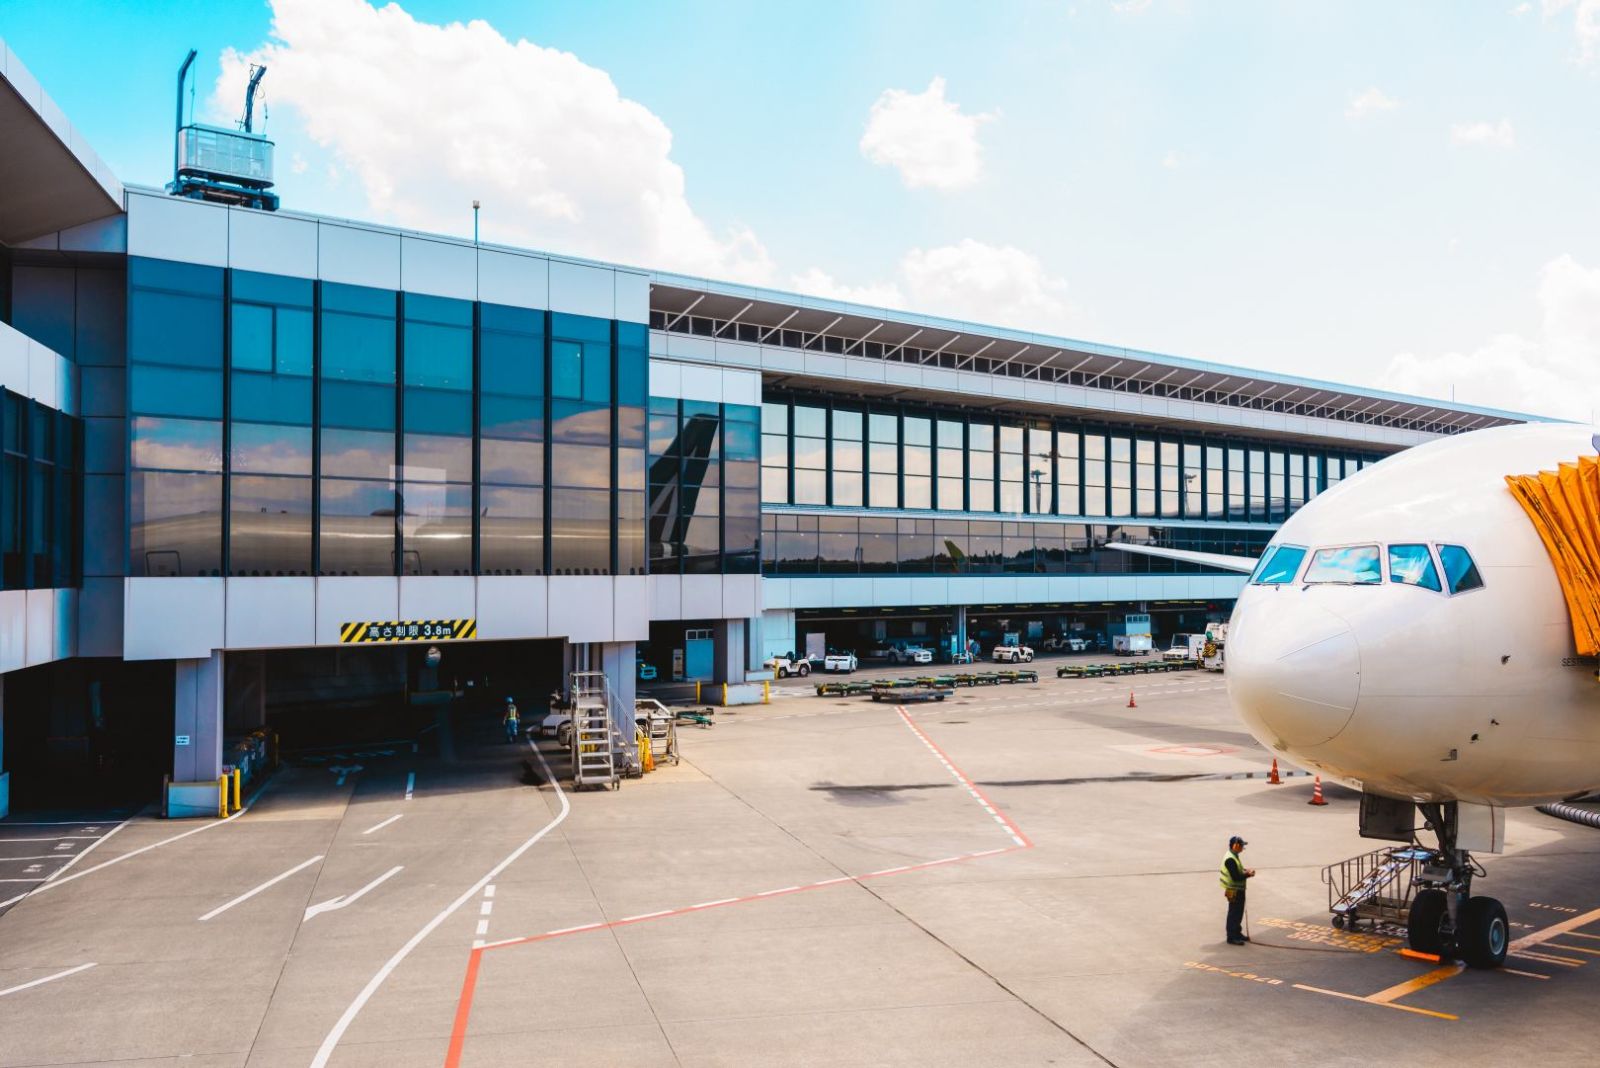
{"x":48,"y":979}
{"x":385,"y":823}
{"x":44,"y":856}
{"x":90,"y":848}
{"x":54,"y":882}
{"x":340,"y":902}
{"x":248,"y":894}
{"x":891,"y":871}
{"x":486,"y":908}
{"x":488,"y":891}
{"x":19,"y":897}
{"x":780,"y":890}
{"x":646,"y":916}
{"x":331,"y":1042}
{"x":714,"y":904}
{"x":483,"y":927}
{"x":569,"y":930}
{"x":55,"y":838}
{"x":411,"y":783}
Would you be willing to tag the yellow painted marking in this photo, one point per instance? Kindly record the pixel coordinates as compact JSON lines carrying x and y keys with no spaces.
{"x":1555,"y":929}
{"x":1525,"y":975}
{"x":1573,"y":949}
{"x":1565,"y":962}
{"x":1411,"y":986}
{"x":1380,"y":1004}
{"x":1580,"y":934}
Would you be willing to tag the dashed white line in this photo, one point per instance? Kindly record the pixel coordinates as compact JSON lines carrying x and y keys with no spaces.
{"x":47,"y":979}
{"x":486,"y":908}
{"x":385,"y":823}
{"x":483,"y":927}
{"x":248,"y":894}
{"x":488,"y":891}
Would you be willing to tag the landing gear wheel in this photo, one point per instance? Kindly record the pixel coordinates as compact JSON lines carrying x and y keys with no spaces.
{"x":1485,"y":935}
{"x":1425,"y":929}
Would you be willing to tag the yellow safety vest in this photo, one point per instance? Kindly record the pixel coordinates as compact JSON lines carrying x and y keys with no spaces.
{"x":1228,"y":881}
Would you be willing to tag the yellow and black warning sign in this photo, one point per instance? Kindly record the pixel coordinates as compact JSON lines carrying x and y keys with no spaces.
{"x":409,"y":630}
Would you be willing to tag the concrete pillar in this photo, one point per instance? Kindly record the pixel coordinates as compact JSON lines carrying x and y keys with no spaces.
{"x":728,"y":636}
{"x":753,"y":654}
{"x":5,"y":776}
{"x":961,"y":626}
{"x":197,"y":720}
{"x":619,"y":660}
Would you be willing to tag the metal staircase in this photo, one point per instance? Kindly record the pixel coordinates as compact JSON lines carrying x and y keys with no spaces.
{"x":594,"y":759}
{"x":1376,"y":886}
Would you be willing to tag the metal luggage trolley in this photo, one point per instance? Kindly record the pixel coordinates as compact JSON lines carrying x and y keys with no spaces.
{"x":660,"y":726}
{"x":594,"y":757}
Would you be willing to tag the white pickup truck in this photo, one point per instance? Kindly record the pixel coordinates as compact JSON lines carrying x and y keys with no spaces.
{"x":1012,"y":654}
{"x":1185,"y":647}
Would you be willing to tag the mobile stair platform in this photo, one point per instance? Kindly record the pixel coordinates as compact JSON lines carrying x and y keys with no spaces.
{"x":1376,"y":887}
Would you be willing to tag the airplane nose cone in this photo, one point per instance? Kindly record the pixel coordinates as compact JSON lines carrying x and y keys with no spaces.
{"x":1294,"y":671}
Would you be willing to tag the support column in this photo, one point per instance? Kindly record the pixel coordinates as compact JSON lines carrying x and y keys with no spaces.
{"x":619,"y":660}
{"x":5,"y":776}
{"x":728,"y":638}
{"x":197,"y":737}
{"x":961,"y":627}
{"x":753,"y":654}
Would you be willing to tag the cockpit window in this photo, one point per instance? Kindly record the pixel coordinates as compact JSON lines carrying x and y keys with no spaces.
{"x":1353,"y":564}
{"x":1412,"y":565}
{"x":1279,"y":566}
{"x":1460,"y":573}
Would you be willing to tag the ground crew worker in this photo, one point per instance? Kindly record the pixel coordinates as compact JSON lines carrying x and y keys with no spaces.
{"x":1233,"y":876}
{"x":512,"y":721}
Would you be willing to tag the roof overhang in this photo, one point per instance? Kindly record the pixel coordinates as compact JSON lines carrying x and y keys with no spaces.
{"x":50,"y":179}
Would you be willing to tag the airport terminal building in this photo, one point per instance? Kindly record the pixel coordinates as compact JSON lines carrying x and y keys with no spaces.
{"x":255,"y":463}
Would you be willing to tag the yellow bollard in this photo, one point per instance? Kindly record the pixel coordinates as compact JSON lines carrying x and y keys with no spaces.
{"x":222,"y":797}
{"x":724,"y":695}
{"x":696,"y":691}
{"x":238,"y":782}
{"x":766,"y":692}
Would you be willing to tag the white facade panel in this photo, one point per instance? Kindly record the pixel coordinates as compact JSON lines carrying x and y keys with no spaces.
{"x":630,"y":611}
{"x":632,"y":299}
{"x":700,"y":383}
{"x":271,"y":243}
{"x":271,"y":613}
{"x":741,"y":596}
{"x":825,"y":366}
{"x":579,"y":289}
{"x":438,"y":597}
{"x":666,"y":378}
{"x":741,"y":387}
{"x":64,"y":636}
{"x":173,"y":618}
{"x":580,"y":607}
{"x":175,"y":228}
{"x":513,"y":280}
{"x":512,"y":606}
{"x":702,"y":597}
{"x":358,"y":257}
{"x":666,"y":597}
{"x":438,"y":268}
{"x":999,"y":590}
{"x":777,"y":594}
{"x":44,"y":375}
{"x":14,"y":360}
{"x":13,"y":629}
{"x":354,"y":599}
{"x":892,"y":591}
{"x":930,"y":589}
{"x":782,"y":360}
{"x":738,"y":354}
{"x":900,"y":374}
{"x":689,"y":347}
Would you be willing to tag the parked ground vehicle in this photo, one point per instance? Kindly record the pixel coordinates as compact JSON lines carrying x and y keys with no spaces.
{"x":839,"y":662}
{"x":1185,"y":647}
{"x":912,"y":654}
{"x":647,"y":672}
{"x":786,"y":665}
{"x":1012,"y":654}
{"x":1213,"y":657}
{"x":1131,"y":644}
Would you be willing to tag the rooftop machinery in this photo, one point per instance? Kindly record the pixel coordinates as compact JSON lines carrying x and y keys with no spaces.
{"x":222,"y":165}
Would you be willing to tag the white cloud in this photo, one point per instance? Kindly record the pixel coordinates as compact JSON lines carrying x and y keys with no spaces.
{"x":1172,"y":161}
{"x":1369,"y":102}
{"x":1487,"y":134}
{"x":1556,"y":373}
{"x":430,"y":117}
{"x":1521,"y":9}
{"x":1585,"y":24}
{"x":927,"y":138}
{"x":995,"y":284}
{"x":1131,"y":7}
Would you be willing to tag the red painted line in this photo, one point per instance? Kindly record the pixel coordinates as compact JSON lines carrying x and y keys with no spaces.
{"x":961,"y":776}
{"x":458,"y":1033}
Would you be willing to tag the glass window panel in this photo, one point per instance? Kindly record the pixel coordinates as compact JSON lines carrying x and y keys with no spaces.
{"x":810,"y":487}
{"x":809,"y":421}
{"x":1412,"y":565}
{"x":741,"y":536}
{"x":437,"y":528}
{"x":883,"y":491}
{"x":175,"y":328}
{"x":511,"y":530}
{"x":1011,"y":497}
{"x":442,"y":457}
{"x":580,"y":423}
{"x":512,"y":417}
{"x":270,"y":398}
{"x":982,"y":495}
{"x":917,"y":430}
{"x":585,"y":466}
{"x":519,"y":463}
{"x":883,"y":427}
{"x":357,"y":453}
{"x":846,"y":425}
{"x":174,"y":523}
{"x":173,"y":444}
{"x":847,"y":489}
{"x":357,"y":527}
{"x":918,"y":491}
{"x":1279,"y":566}
{"x":950,"y":547}
{"x":158,"y":390}
{"x":846,"y":455}
{"x":1460,"y":573}
{"x":951,"y":494}
{"x":774,"y":485}
{"x":884,"y":459}
{"x":357,"y":404}
{"x":775,"y":418}
{"x":269,"y":525}
{"x":256,"y":448}
{"x":580,"y":532}
{"x":951,"y":434}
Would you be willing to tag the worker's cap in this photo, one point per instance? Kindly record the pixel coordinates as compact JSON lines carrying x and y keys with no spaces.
{"x":1236,"y":838}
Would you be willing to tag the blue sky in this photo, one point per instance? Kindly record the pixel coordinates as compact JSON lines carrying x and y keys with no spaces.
{"x":1395,"y":195}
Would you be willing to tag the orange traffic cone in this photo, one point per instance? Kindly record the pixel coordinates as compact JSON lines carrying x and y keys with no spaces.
{"x":1131,"y":702}
{"x":1273,"y":778}
{"x":1316,"y":793}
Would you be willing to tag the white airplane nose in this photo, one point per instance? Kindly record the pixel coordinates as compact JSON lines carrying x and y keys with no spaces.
{"x":1294,"y":671}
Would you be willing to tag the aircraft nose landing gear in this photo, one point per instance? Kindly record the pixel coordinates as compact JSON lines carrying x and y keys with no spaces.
{"x":1446,"y":919}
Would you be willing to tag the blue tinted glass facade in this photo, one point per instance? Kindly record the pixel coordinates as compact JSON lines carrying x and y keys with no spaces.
{"x":41,"y":495}
{"x":281,"y":426}
{"x":704,"y":487}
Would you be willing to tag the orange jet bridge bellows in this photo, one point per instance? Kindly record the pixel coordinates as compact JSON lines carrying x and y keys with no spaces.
{"x":1564,"y":506}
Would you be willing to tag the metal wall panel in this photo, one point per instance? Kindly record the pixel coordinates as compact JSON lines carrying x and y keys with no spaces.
{"x":271,"y":243}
